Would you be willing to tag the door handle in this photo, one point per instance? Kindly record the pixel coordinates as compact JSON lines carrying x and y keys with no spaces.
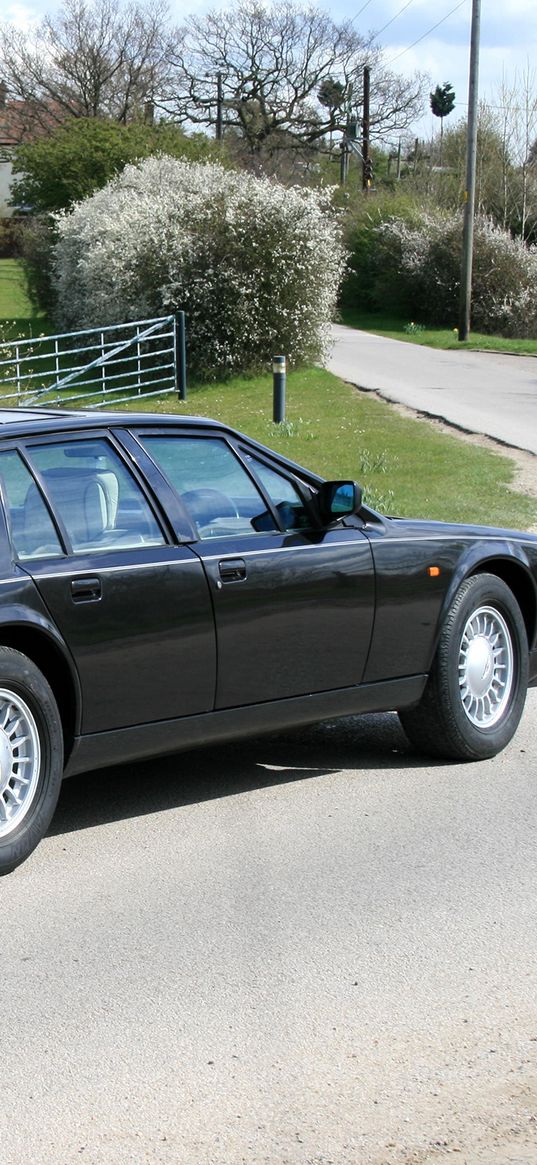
{"x":86,"y":590}
{"x":232,"y":570}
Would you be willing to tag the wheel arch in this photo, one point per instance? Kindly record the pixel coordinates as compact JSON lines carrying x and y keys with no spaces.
{"x":520,"y":583}
{"x":514,"y":571}
{"x":43,"y":649}
{"x":473,"y":700}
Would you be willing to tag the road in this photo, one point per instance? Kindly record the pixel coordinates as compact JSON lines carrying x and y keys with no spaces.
{"x":482,"y":392}
{"x":316,"y":949}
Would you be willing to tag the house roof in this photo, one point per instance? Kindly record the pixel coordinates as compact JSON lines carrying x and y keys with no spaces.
{"x":23,"y":121}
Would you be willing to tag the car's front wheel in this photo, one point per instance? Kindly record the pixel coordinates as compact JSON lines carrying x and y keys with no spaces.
{"x":31,"y":757}
{"x":476,"y":690}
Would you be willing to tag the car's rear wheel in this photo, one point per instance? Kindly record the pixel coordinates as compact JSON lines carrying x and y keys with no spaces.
{"x":31,"y":757}
{"x":476,"y":691}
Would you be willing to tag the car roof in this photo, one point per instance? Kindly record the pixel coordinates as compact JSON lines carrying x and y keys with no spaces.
{"x":9,"y":415}
{"x":26,"y":421}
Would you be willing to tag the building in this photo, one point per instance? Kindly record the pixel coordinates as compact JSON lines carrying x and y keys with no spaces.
{"x":20,"y":121}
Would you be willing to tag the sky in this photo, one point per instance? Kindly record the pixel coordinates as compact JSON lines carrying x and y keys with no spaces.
{"x":410,"y":41}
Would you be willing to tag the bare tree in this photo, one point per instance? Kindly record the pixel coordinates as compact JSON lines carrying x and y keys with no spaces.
{"x":95,"y":58}
{"x":518,"y":109}
{"x":269,"y":70}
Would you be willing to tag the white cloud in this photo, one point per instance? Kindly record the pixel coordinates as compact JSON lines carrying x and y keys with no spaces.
{"x":24,"y":16}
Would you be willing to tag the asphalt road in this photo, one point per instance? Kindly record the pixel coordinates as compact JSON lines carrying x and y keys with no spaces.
{"x":482,"y":392}
{"x":316,"y":949}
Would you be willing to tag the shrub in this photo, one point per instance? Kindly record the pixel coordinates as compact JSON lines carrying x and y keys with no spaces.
{"x":10,"y":237}
{"x":374,"y":279}
{"x":417,"y":267}
{"x":37,"y":242}
{"x":255,"y":266}
{"x":504,"y":283}
{"x":504,"y":280}
{"x":423,"y":262}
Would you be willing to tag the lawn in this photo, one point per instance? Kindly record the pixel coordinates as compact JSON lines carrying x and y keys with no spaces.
{"x":18,"y":316}
{"x":394,"y":327}
{"x":405,"y":465}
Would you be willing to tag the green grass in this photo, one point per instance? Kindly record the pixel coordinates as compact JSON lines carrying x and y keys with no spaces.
{"x":406,"y":466}
{"x":18,"y":316}
{"x":394,"y":327}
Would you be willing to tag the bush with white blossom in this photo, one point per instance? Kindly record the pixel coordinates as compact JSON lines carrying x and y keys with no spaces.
{"x":421,"y":262}
{"x":255,"y":265}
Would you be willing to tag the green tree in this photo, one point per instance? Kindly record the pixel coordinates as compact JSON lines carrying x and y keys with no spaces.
{"x":331,"y":93}
{"x":442,"y":103}
{"x":83,"y":154}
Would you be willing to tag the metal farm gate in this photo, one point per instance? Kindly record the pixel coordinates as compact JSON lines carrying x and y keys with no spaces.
{"x":97,"y":367}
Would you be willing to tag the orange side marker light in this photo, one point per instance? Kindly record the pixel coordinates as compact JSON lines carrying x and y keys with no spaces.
{"x":433,"y":571}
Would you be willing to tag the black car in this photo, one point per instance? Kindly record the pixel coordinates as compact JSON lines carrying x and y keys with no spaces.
{"x":166,"y":582}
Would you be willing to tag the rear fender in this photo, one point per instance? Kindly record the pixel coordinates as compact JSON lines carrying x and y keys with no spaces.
{"x":35,"y":635}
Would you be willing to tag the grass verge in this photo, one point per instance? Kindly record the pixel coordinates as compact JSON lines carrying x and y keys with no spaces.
{"x":394,"y":328}
{"x":405,"y":465}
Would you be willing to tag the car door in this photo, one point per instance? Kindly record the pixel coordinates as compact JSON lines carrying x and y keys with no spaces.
{"x":293,"y":603}
{"x":134,"y":609}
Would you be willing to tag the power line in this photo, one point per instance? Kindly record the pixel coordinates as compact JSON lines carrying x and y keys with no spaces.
{"x":378,"y":31}
{"x":428,"y":33}
{"x":501,"y":108}
{"x":362,"y":9}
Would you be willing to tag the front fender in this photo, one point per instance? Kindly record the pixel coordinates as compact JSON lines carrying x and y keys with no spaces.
{"x":508,"y":560}
{"x":412,"y":601}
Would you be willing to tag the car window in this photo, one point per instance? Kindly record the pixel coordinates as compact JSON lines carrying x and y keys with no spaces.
{"x":17,"y":484}
{"x":214,"y":487}
{"x":283,"y":494}
{"x":92,"y":492}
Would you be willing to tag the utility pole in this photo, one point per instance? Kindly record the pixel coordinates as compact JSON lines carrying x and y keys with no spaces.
{"x":366,"y":167}
{"x":469,"y":194}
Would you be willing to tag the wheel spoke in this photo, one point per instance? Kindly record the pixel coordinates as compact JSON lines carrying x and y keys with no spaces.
{"x":486,"y":667}
{"x":19,"y":741}
{"x":7,"y":714}
{"x":20,"y":760}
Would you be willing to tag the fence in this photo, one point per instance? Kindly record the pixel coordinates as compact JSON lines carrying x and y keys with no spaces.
{"x":97,"y":366}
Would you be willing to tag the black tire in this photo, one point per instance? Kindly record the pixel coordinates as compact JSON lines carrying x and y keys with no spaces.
{"x":31,"y":757}
{"x":476,"y":690}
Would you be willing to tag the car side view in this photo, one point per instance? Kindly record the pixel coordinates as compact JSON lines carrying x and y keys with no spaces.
{"x":167,"y":582}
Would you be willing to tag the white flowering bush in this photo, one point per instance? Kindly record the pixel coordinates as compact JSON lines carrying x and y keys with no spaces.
{"x":255,"y":265}
{"x":423,"y":261}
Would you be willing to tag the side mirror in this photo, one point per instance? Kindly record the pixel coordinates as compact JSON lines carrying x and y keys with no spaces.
{"x":338,"y":499}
